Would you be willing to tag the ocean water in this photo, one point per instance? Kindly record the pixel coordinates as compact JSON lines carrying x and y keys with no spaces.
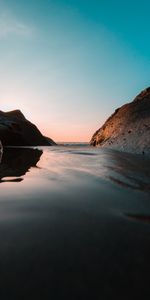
{"x":74,"y":223}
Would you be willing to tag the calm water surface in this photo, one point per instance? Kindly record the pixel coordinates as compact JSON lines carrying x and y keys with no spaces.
{"x":74,"y":224}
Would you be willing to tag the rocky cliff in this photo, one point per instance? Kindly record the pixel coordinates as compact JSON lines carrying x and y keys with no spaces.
{"x":16,"y":130}
{"x":128,"y":128}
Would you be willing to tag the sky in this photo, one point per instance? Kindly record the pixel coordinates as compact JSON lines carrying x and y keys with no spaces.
{"x":67,"y":64}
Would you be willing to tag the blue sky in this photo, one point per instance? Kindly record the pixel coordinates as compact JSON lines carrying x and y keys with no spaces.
{"x":68,"y":64}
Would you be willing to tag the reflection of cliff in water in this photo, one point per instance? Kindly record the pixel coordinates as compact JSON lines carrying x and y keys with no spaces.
{"x":131,"y":171}
{"x":16,"y":162}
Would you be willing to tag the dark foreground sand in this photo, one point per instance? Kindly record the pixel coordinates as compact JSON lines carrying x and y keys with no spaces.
{"x":74,"y":224}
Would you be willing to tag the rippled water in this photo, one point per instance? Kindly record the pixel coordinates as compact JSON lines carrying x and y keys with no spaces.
{"x":74,"y":223}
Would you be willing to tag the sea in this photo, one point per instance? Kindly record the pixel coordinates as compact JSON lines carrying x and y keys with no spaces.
{"x":74,"y":223}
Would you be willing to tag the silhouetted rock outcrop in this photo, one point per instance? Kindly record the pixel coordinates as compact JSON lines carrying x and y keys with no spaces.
{"x":16,"y":162}
{"x":128,"y":129}
{"x":16,"y":130}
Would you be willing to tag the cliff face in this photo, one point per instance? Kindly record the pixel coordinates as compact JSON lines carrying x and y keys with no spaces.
{"x":128,"y":128}
{"x":16,"y":130}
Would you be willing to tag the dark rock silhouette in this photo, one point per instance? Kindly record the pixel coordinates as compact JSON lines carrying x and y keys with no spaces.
{"x":128,"y":129}
{"x":15,"y":162}
{"x":16,"y":130}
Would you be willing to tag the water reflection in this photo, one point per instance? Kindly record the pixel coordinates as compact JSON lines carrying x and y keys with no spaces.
{"x":15,"y":162}
{"x":131,"y":171}
{"x":1,"y":156}
{"x":66,"y":207}
{"x":142,"y":218}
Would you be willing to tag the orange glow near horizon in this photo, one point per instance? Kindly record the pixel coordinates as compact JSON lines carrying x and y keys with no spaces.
{"x":72,"y":134}
{"x":60,"y":131}
{"x":63,"y":132}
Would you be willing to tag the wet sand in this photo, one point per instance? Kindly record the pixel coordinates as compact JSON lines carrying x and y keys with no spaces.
{"x":74,"y":224}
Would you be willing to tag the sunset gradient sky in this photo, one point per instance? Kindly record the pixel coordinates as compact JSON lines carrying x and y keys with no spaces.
{"x":67,"y":64}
